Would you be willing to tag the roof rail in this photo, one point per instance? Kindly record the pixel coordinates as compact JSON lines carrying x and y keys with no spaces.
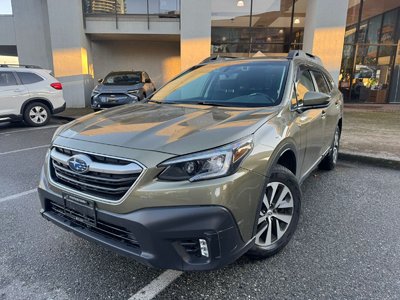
{"x":217,"y":58}
{"x":299,"y":53}
{"x":19,"y":66}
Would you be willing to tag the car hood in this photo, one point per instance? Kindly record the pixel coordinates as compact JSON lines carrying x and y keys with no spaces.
{"x":102,"y":88}
{"x":174,"y":129}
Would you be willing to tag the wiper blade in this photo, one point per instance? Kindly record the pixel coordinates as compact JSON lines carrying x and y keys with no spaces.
{"x":210,"y":103}
{"x":163,"y":102}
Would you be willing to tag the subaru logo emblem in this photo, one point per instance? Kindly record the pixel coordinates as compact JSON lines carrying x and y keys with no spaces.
{"x":79,"y":163}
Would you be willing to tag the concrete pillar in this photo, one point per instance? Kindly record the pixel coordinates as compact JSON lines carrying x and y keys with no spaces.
{"x":71,"y":51}
{"x":32,"y":32}
{"x":195,"y":32}
{"x":324,"y":30}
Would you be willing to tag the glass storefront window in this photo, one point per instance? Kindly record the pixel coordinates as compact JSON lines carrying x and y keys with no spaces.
{"x":274,"y":26}
{"x":374,"y":28}
{"x":389,"y":28}
{"x":133,"y":7}
{"x":369,"y":62}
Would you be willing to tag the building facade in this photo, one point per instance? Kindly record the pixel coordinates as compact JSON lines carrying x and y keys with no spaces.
{"x":83,"y":40}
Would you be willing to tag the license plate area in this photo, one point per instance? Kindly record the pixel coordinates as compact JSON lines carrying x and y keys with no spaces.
{"x":80,"y":210}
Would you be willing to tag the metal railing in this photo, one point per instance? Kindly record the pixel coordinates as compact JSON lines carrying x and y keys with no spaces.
{"x":140,"y":8}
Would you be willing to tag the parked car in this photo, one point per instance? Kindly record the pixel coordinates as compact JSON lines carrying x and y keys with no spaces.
{"x":119,"y":88}
{"x":29,"y":93}
{"x":205,"y":170}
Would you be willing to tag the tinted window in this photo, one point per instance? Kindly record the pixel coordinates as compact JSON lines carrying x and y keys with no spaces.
{"x":304,"y":84}
{"x":28,"y":78}
{"x":321,"y":82}
{"x":7,"y":78}
{"x":123,"y":78}
{"x":241,"y":84}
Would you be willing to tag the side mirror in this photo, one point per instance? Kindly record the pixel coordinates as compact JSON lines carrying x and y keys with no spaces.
{"x":100,"y":80}
{"x":147,"y":80}
{"x":315,"y":99}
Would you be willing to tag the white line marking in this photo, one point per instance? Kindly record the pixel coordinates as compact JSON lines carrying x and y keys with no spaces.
{"x":30,"y":129}
{"x":156,"y":286}
{"x":15,"y":196}
{"x":25,"y":149}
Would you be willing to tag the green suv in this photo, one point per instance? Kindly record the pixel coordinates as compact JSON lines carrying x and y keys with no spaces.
{"x":202,"y":171}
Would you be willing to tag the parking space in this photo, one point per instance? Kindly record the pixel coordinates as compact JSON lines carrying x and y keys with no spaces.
{"x":346,"y":245}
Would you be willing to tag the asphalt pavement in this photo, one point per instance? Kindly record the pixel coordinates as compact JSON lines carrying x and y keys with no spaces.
{"x":346,"y":246}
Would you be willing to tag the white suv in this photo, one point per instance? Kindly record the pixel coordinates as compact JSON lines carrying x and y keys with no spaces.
{"x":29,"y":93}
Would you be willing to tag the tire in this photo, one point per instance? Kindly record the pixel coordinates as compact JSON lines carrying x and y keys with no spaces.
{"x":330,"y":160}
{"x":97,"y":109}
{"x":37,"y":114}
{"x":284,"y":214}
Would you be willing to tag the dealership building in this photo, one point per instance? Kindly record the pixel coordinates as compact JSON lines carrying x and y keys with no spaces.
{"x":83,"y":40}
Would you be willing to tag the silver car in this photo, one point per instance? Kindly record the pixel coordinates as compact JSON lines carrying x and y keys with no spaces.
{"x":119,"y":88}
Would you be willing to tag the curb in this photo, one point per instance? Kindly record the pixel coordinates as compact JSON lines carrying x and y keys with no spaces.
{"x":377,"y":161}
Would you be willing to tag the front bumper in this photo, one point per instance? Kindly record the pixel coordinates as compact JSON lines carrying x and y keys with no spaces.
{"x":97,"y":102}
{"x":162,"y":237}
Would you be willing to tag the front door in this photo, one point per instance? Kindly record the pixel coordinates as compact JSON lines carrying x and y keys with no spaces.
{"x":312,"y":123}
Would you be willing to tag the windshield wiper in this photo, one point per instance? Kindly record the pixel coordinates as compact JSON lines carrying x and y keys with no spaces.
{"x":209,"y":103}
{"x":163,"y":102}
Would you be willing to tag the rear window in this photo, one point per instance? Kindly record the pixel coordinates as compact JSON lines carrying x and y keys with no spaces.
{"x":321,"y":82}
{"x":28,"y":78}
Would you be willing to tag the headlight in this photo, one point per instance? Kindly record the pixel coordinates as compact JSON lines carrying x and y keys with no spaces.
{"x":95,"y":93}
{"x":134,"y":92}
{"x":209,"y":164}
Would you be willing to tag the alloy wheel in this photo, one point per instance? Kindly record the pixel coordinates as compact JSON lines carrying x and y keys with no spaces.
{"x":38,"y":114}
{"x":275,"y":215}
{"x":335,"y":149}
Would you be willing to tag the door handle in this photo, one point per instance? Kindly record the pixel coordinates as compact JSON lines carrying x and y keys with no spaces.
{"x":323,"y":114}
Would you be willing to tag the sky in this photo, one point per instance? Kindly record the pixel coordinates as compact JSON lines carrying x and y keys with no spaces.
{"x":5,"y":7}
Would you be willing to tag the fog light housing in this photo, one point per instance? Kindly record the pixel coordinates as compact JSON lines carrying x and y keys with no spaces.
{"x":203,"y":247}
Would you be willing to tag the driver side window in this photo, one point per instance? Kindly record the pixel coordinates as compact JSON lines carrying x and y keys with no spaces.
{"x":304,"y":84}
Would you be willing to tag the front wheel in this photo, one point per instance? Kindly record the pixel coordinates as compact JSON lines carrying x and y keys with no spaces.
{"x":330,"y":160}
{"x":279,"y":214}
{"x":37,"y":114}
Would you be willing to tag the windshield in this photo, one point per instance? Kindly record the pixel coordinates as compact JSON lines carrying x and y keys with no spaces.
{"x":239,"y":84}
{"x":122,"y":78}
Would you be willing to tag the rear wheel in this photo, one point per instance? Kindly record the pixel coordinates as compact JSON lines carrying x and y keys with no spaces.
{"x":279,"y":214}
{"x":330,"y":160}
{"x":37,"y":114}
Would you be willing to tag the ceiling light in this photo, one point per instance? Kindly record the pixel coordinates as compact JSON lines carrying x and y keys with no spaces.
{"x":240,"y":3}
{"x":280,"y":31}
{"x":297,"y":21}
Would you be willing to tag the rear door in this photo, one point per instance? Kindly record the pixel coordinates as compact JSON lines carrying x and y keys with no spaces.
{"x":311,"y":121}
{"x":12,"y":94}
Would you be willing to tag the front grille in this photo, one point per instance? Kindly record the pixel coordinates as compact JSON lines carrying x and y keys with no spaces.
{"x":106,"y":178}
{"x":117,"y":233}
{"x":113,"y":97}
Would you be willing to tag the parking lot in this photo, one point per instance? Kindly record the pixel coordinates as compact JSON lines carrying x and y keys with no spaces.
{"x":347,"y":244}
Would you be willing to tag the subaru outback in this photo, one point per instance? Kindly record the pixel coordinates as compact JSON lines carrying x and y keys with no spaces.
{"x":205,"y":170}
